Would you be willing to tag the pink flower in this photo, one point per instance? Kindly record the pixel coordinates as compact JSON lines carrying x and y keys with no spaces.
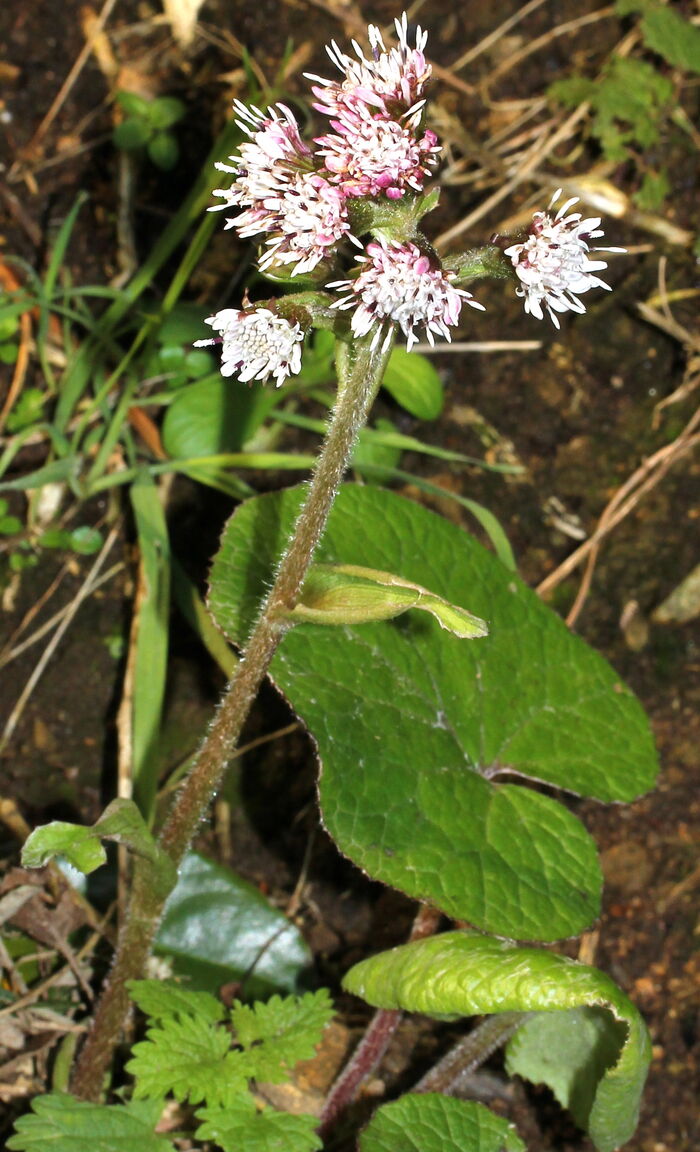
{"x":553,"y":264}
{"x":400,"y":285}
{"x":370,"y":155}
{"x":275,"y":155}
{"x":256,"y":344}
{"x":390,"y":81}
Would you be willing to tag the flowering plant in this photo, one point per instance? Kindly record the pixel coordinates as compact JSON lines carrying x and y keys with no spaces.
{"x":417,"y":725}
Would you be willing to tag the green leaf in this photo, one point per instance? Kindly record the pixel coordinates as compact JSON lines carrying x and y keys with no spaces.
{"x":677,"y":40}
{"x":80,"y":845}
{"x":215,"y":417}
{"x":218,"y":928}
{"x":412,"y":724}
{"x":465,"y":974}
{"x":131,"y":134}
{"x":27,"y":410}
{"x":165,"y":111}
{"x":183,"y":325}
{"x":64,"y":1124}
{"x":85,"y":540}
{"x":654,"y":189}
{"x":374,"y":447}
{"x":349,"y":594}
{"x":190,"y":1058}
{"x":413,"y":382}
{"x":241,"y":1125}
{"x":161,"y":998}
{"x":434,"y":1123}
{"x":164,"y":150}
{"x":151,"y":659}
{"x":133,"y":104}
{"x":277,"y":1034}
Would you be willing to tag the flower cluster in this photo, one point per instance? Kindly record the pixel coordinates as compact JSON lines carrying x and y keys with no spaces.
{"x":400,"y":285}
{"x":303,"y":202}
{"x":553,"y":263}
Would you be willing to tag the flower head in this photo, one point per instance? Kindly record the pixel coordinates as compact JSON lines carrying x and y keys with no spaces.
{"x":400,"y":285}
{"x":392,"y":81}
{"x":256,"y":344}
{"x":553,"y":264}
{"x":370,"y":155}
{"x":274,"y":155}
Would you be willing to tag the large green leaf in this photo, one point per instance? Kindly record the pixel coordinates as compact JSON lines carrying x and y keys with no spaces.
{"x":412,"y":723}
{"x":596,"y":1066}
{"x":434,"y":1123}
{"x":218,"y":928}
{"x":415,"y":385}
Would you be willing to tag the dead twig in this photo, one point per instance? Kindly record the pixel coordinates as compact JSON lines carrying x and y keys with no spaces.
{"x":642,"y":480}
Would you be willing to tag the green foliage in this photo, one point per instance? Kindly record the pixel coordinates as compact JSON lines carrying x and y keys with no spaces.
{"x":434,"y":1123}
{"x":277,"y":1034}
{"x":27,"y":410}
{"x":146,"y":127}
{"x":427,"y":719}
{"x":629,"y":103}
{"x":163,"y":998}
{"x":243,"y":1125}
{"x":188,"y":1054}
{"x":600,"y":1072}
{"x":64,"y":1124}
{"x":414,"y":384}
{"x":9,"y":331}
{"x":666,"y":32}
{"x":218,"y":928}
{"x":189,"y":1057}
{"x":82,"y":846}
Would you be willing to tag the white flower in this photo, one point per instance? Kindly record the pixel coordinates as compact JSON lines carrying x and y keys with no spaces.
{"x":392,"y":81}
{"x":370,"y":155}
{"x":400,"y":285}
{"x":553,"y":264}
{"x":274,"y":155}
{"x":256,"y":344}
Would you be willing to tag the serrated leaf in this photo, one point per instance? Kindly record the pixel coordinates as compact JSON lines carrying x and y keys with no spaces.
{"x":277,"y":1034}
{"x":677,"y":40}
{"x":243,"y":1126}
{"x":426,"y":719}
{"x":161,"y":998}
{"x":214,"y":416}
{"x":65,"y":1124}
{"x":217,"y":928}
{"x":413,"y":382}
{"x":189,"y":1058}
{"x":81,"y":846}
{"x":435,"y":1123}
{"x":465,"y":974}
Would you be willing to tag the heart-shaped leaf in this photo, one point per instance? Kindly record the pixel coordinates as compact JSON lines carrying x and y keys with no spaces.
{"x":599,"y":1071}
{"x":412,"y":723}
{"x":434,"y":1123}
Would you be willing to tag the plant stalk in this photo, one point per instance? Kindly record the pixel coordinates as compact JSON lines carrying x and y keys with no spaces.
{"x":361,"y":369}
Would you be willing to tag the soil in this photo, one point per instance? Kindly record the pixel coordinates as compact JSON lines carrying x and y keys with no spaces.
{"x":578,"y":414}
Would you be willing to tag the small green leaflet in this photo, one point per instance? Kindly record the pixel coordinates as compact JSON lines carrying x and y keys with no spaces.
{"x":161,"y":998}
{"x":243,"y":1126}
{"x":278,"y":1034}
{"x":64,"y":1124}
{"x":191,"y":1059}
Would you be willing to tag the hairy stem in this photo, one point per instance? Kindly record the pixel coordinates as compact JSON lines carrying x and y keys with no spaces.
{"x":374,"y":1043}
{"x":360,"y":373}
{"x":471,"y":1051}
